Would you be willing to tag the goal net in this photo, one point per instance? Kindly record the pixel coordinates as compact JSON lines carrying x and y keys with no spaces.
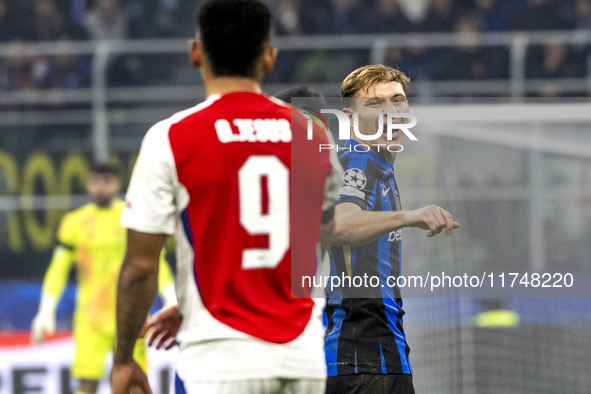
{"x":518,"y":179}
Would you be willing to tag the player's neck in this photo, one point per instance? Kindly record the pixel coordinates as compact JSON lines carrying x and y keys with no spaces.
{"x":223,"y":85}
{"x":392,"y":158}
{"x":388,"y":156}
{"x":103,"y":204}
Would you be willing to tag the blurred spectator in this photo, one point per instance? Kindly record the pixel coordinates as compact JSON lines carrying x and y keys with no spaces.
{"x":540,"y":15}
{"x":400,"y":59}
{"x":471,"y":61}
{"x":288,"y":22}
{"x":582,"y":21}
{"x":441,"y":16}
{"x":126,"y":71}
{"x":18,"y":68}
{"x":416,"y":62}
{"x":62,"y":72}
{"x":7,"y":26}
{"x":160,"y":18}
{"x":106,"y":21}
{"x":42,"y":20}
{"x":288,"y":18}
{"x":345,"y":16}
{"x":489,"y":12}
{"x":165,"y":18}
{"x":315,"y":16}
{"x":582,"y":15}
{"x":76,"y":11}
{"x":555,"y":61}
{"x":512,"y":8}
{"x":384,"y":17}
{"x":324,"y":66}
{"x":48,"y":24}
{"x":415,"y":10}
{"x":313,"y":68}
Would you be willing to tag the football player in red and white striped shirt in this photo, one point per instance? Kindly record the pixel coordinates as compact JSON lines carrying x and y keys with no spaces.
{"x":246,"y":195}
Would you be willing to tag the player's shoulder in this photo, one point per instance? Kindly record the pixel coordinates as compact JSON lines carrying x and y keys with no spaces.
{"x":160,"y":130}
{"x":118,"y":206}
{"x":358,"y":165}
{"x":350,"y":156}
{"x":279,"y":103}
{"x":77,"y":215}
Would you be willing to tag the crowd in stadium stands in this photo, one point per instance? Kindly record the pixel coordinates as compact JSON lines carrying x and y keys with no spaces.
{"x":42,"y":20}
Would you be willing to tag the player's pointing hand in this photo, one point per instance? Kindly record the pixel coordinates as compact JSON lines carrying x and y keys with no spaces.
{"x":432,"y":218}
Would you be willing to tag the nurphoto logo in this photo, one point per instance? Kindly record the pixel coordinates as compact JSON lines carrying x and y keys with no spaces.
{"x":388,"y":124}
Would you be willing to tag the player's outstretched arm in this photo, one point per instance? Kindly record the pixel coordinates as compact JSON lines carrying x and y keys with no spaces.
{"x":138,"y":284}
{"x":354,"y":226}
{"x":432,"y":218}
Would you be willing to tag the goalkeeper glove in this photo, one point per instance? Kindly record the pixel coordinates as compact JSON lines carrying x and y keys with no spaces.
{"x":44,"y":322}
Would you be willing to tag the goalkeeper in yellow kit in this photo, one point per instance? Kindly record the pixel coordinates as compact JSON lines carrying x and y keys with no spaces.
{"x":92,"y":237}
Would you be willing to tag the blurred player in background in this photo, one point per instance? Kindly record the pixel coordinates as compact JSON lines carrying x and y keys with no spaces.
{"x":220,"y":175}
{"x":315,"y":99}
{"x":92,"y":237}
{"x":366,"y":349}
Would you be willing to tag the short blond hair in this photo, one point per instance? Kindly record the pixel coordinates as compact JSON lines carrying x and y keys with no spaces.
{"x":367,"y":76}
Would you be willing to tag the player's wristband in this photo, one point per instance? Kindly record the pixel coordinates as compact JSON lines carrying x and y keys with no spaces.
{"x":328,"y":215}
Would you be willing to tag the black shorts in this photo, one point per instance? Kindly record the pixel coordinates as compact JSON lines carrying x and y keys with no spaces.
{"x":370,"y":384}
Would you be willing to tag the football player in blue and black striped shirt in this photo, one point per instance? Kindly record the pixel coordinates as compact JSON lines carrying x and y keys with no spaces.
{"x":366,"y":347}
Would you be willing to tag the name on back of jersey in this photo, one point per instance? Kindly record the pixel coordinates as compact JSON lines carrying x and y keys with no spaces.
{"x":253,"y":130}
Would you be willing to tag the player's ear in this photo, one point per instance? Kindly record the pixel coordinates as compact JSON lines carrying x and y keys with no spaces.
{"x":118,"y":185}
{"x":269,"y":57}
{"x":349,"y":112}
{"x":195,"y":53}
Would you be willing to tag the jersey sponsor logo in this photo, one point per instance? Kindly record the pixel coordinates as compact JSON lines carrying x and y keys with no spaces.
{"x":384,"y":190}
{"x":395,"y":235}
{"x":351,"y":191}
{"x":354,"y":177}
{"x":253,"y":130}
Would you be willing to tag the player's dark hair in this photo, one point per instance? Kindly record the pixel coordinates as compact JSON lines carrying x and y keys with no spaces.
{"x":316,"y":99}
{"x":104,"y":169}
{"x":234,"y":34}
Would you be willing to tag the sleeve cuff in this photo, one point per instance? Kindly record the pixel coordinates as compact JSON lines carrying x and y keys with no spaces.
{"x":354,"y":200}
{"x":328,"y":215}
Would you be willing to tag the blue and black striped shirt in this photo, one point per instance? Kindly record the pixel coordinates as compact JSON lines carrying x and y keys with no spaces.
{"x":365,"y":333}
